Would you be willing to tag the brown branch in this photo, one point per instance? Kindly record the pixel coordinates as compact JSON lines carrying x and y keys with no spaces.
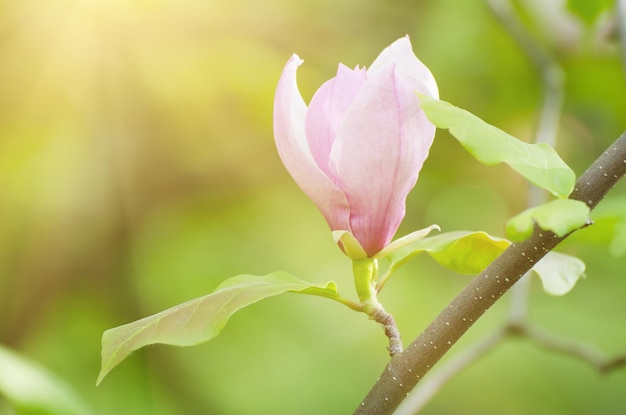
{"x":450,"y":369}
{"x":406,"y":369}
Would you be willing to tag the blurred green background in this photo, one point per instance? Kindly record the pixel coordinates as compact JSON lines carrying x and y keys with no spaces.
{"x":138,"y":170}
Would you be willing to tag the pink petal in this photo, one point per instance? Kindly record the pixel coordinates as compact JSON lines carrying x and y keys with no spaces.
{"x":401,"y":53}
{"x":293,"y":149}
{"x":377,"y":155}
{"x":326,"y":111}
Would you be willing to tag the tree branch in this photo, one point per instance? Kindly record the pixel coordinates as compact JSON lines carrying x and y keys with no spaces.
{"x":433,"y":384}
{"x":406,"y":369}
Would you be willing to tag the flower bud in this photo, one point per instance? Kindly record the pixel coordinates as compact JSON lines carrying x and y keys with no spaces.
{"x":358,"y":148}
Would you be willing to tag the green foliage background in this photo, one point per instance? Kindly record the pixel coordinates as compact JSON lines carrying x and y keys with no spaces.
{"x":138,"y":171}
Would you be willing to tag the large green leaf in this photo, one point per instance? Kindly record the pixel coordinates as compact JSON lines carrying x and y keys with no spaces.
{"x":559,"y":272}
{"x":538,"y":163}
{"x":201,"y":319}
{"x":33,"y":390}
{"x":560,"y":216}
{"x":461,"y":251}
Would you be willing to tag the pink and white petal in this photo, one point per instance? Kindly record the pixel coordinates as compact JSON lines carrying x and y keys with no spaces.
{"x":293,"y":149}
{"x":327,"y":109}
{"x":377,"y":155}
{"x":401,"y":53}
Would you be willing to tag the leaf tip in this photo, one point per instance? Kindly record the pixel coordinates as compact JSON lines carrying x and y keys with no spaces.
{"x":101,"y":376}
{"x":104,"y":371}
{"x":112,"y":354}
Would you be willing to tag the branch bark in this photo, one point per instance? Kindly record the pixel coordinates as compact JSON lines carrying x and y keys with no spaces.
{"x":430,"y":386}
{"x":406,"y":369}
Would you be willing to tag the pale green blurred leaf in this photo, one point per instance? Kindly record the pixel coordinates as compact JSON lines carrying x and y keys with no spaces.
{"x":559,"y":272}
{"x":610,"y":224}
{"x":560,"y":216}
{"x":201,"y":319}
{"x":589,"y":10}
{"x":538,"y":163}
{"x":33,"y":390}
{"x":462,"y":251}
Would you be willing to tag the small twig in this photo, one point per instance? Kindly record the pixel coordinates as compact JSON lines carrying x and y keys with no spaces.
{"x":406,"y":369}
{"x":388,"y":323}
{"x":573,"y":347}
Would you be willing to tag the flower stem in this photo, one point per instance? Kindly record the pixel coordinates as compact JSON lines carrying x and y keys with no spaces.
{"x":365,"y":275}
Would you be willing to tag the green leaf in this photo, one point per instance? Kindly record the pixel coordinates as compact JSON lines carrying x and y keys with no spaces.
{"x":469,"y":254}
{"x":560,"y":216}
{"x":201,"y":319}
{"x":538,"y":163}
{"x":462,"y":251}
{"x":559,"y":272}
{"x":589,"y":10}
{"x":33,"y":390}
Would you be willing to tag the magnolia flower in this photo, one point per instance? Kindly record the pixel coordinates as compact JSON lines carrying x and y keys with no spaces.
{"x":357,"y":149}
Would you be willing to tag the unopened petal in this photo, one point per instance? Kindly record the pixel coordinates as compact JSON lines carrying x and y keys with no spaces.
{"x":401,"y":54}
{"x":378,"y":153}
{"x":293,"y":149}
{"x":327,"y":110}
